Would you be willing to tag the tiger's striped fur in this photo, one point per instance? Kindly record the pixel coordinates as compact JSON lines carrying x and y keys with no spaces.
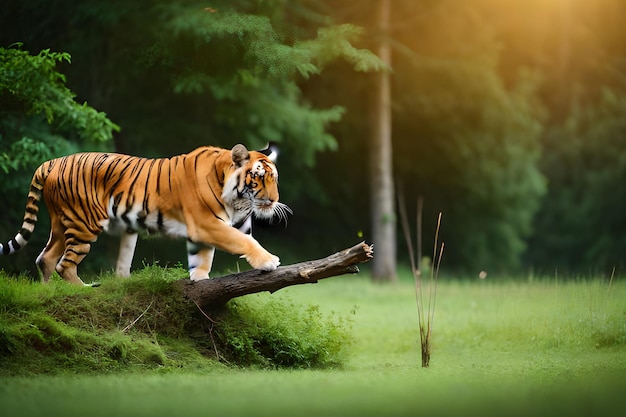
{"x":200,"y":195}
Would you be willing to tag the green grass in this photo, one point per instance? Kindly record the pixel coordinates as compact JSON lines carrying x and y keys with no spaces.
{"x":499,"y":348}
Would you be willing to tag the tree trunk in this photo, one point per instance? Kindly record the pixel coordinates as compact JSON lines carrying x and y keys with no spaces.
{"x":214,"y":293}
{"x":381,"y":163}
{"x":566,"y":85}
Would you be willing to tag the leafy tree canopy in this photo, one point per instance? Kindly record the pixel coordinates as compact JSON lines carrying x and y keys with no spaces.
{"x":256,"y":78}
{"x":33,"y":92}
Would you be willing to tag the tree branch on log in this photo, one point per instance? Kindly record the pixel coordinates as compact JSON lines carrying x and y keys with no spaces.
{"x":216,"y":292}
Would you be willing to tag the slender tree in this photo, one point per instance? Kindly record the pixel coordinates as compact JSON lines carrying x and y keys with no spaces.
{"x":380,"y":163}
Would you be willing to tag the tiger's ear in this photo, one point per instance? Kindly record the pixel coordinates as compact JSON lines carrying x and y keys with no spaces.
{"x":240,"y":155}
{"x":271,"y":151}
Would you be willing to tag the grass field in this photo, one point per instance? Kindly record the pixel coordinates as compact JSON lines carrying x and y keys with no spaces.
{"x":541,"y":348}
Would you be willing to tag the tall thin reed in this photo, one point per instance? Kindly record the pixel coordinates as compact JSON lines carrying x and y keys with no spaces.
{"x":425,"y":320}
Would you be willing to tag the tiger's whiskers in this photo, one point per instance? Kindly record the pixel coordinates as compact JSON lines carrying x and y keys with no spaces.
{"x":281,"y":210}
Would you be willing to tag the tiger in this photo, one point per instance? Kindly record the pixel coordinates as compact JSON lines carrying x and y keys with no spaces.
{"x":207,"y":196}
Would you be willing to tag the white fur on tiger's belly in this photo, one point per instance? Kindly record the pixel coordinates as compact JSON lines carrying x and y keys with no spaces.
{"x":128,"y":219}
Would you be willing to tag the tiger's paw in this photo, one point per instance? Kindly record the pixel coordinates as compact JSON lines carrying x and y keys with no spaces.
{"x":198,"y":274}
{"x":267,"y":262}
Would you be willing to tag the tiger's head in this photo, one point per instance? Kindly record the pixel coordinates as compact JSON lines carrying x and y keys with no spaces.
{"x":252,"y":186}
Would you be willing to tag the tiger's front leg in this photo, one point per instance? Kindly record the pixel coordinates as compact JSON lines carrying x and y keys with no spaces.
{"x":200,"y":260}
{"x":259,"y":258}
{"x":128,"y":242}
{"x":232,"y":240}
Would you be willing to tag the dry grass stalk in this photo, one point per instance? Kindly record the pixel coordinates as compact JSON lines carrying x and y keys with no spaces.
{"x":425,"y":320}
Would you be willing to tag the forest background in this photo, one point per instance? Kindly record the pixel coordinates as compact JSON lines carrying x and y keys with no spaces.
{"x":508,"y":117}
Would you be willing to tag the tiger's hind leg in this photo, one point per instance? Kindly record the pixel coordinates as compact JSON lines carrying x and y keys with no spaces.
{"x":50,"y":255}
{"x":77,"y":246}
{"x":200,"y":260}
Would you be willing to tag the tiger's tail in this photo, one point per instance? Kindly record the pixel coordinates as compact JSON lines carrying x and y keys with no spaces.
{"x":30,"y":215}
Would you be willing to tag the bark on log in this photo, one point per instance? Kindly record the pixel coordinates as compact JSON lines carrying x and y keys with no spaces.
{"x":216,"y":292}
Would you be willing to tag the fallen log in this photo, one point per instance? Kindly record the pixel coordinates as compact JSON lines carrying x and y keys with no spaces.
{"x":213,"y":293}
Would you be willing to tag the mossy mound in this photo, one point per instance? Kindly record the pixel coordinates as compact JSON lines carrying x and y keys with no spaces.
{"x":145,"y":323}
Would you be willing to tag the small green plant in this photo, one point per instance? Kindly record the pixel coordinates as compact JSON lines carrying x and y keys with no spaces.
{"x":280,"y":334}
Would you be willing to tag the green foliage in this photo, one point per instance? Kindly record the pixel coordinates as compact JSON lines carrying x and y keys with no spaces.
{"x":145,"y":323}
{"x":32,"y":91}
{"x":581,"y":221}
{"x":31,"y":86}
{"x":256,"y":79}
{"x":470,"y":145}
{"x":258,"y":333}
{"x":261,"y":47}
